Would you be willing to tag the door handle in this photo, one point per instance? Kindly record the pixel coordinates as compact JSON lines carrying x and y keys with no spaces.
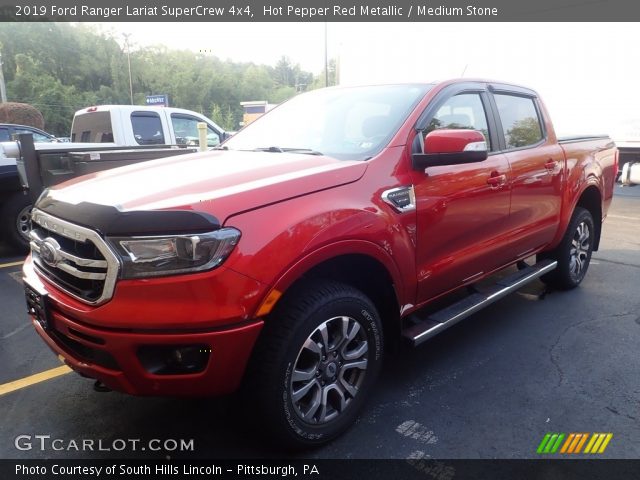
{"x":496,"y":181}
{"x":551,"y":165}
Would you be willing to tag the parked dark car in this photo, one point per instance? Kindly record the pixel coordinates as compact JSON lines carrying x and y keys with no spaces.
{"x":9,"y":130}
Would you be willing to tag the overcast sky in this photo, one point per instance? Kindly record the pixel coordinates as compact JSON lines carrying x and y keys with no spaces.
{"x":587,"y":74}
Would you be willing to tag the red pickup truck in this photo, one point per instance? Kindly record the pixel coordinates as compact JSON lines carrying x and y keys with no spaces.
{"x":287,"y":259}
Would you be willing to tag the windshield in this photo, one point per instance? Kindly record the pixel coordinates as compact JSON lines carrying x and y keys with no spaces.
{"x":344,"y":123}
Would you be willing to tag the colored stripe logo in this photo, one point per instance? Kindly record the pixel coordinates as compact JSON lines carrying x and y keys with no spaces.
{"x":573,"y":443}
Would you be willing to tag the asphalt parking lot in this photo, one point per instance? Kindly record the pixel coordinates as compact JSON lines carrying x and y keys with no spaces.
{"x":491,"y":387}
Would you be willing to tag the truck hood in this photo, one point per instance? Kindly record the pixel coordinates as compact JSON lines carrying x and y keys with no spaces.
{"x":221,"y":183}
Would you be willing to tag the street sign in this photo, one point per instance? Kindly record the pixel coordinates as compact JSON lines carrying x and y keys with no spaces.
{"x":158,"y":100}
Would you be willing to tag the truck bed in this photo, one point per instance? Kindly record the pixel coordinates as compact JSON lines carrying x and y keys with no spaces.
{"x":596,"y":157}
{"x":582,"y":138}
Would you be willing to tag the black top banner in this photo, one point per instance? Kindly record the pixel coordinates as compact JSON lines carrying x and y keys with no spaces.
{"x":319,"y":11}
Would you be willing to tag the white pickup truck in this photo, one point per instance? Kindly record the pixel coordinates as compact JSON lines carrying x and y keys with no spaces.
{"x":131,"y":125}
{"x":627,"y":139}
{"x":629,"y":162}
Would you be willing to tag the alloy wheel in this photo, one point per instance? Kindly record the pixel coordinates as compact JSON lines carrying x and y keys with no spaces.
{"x":329,"y":370}
{"x":579,"y":251}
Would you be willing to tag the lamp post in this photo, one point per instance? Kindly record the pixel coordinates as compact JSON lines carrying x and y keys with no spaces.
{"x":326,"y":58}
{"x":126,"y":41}
{"x":3,"y":89}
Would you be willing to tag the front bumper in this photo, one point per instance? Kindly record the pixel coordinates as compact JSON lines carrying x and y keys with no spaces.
{"x":112,"y":354}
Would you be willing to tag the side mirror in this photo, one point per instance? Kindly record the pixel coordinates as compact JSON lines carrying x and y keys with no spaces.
{"x":451,"y":147}
{"x":226,"y":135}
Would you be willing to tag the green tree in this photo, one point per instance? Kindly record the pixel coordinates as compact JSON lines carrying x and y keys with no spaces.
{"x":319,"y":81}
{"x":224,"y":118}
{"x":281,"y":94}
{"x":60,"y":68}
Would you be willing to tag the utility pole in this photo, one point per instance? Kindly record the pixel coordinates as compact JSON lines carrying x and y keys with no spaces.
{"x":326,"y":58}
{"x":3,"y":89}
{"x":126,"y":41}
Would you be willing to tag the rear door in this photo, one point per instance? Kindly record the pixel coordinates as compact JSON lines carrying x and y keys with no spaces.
{"x":462,"y":210}
{"x":537,"y":166}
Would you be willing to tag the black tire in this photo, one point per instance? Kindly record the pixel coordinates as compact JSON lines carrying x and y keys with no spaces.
{"x":14,"y":220}
{"x":574,"y":252}
{"x":284,"y":348}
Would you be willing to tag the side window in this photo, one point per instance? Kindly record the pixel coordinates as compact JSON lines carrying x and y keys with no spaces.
{"x":4,"y":134}
{"x":520,"y":121}
{"x":213,"y":138}
{"x":185,"y":128}
{"x":147,"y":128}
{"x":37,"y":137}
{"x":463,"y":111}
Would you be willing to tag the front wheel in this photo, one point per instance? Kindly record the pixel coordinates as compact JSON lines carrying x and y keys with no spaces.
{"x":15,"y":217}
{"x":316,"y":363}
{"x":574,"y":252}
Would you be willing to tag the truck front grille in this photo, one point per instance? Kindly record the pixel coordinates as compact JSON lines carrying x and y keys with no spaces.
{"x":74,"y":258}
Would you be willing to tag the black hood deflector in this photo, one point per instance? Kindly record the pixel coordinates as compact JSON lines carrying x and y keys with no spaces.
{"x":110,"y":221}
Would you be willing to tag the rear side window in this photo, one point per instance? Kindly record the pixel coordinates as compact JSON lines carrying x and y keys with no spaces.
{"x":520,"y":120}
{"x":147,"y":128}
{"x":92,"y":127}
{"x":4,"y":134}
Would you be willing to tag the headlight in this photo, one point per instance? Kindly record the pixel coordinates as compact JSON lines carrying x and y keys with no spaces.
{"x":169,"y":255}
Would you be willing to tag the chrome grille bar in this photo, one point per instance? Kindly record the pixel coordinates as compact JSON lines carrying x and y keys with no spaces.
{"x":81,"y":262}
{"x":51,"y":258}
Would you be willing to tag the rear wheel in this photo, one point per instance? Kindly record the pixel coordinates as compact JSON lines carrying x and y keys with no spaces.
{"x":15,"y":218}
{"x":574,"y":252}
{"x":315,"y":364}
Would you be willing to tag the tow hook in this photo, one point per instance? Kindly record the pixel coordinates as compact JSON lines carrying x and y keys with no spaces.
{"x":100,"y":387}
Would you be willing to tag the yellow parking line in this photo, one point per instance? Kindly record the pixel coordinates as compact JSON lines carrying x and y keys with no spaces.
{"x":12,"y":264}
{"x":33,"y":379}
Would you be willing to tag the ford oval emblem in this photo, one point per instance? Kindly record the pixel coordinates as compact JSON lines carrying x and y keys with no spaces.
{"x":50,"y":251}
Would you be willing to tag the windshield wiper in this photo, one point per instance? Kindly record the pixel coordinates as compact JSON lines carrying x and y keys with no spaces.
{"x":274,"y":149}
{"x":307,"y":151}
{"x":269,"y":149}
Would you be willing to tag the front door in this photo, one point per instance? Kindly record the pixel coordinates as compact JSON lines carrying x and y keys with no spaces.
{"x":462,"y":210}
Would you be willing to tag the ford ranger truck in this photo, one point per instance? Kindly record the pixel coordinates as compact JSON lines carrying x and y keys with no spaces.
{"x":286,"y":260}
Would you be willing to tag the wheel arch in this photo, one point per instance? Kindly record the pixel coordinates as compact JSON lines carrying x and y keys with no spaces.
{"x":360,"y":264}
{"x":591,"y":200}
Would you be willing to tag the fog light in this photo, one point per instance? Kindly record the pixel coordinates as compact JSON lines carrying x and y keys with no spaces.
{"x":174,"y":359}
